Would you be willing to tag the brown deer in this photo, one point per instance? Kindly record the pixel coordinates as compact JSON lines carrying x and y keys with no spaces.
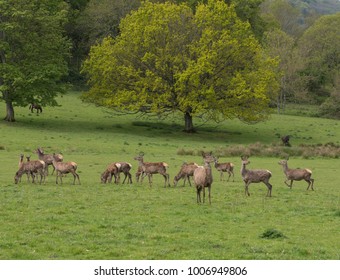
{"x":30,"y":168}
{"x":36,"y":107}
{"x":297,"y":175}
{"x":48,"y":159}
{"x":224,"y":167}
{"x":111,"y":170}
{"x":186,"y":171}
{"x":149,"y":168}
{"x":125,"y":168}
{"x":65,"y":168}
{"x":203,"y":177}
{"x":255,"y":176}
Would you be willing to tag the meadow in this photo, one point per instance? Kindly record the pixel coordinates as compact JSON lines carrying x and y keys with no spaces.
{"x":108,"y":221}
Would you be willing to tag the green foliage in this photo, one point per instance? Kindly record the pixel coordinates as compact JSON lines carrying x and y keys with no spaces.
{"x":272,"y":234}
{"x":33,"y":51}
{"x":319,"y":48}
{"x":166,"y":58}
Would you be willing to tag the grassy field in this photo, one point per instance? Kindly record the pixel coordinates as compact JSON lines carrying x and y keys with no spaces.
{"x":96,"y":221}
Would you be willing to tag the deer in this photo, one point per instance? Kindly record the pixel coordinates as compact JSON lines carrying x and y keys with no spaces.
{"x":255,"y":176}
{"x":149,"y":168}
{"x":296,"y":175}
{"x":65,"y":168}
{"x":186,"y":171}
{"x":36,"y":107}
{"x":48,"y":159}
{"x":30,"y":168}
{"x":224,"y":167}
{"x":203,"y":177}
{"x":125,"y":168}
{"x":111,"y":170}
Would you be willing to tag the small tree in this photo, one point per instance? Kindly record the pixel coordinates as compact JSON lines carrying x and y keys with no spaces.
{"x":168,"y":59}
{"x":33,"y":52}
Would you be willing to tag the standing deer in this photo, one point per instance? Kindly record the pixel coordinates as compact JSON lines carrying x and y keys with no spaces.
{"x":186,"y":171}
{"x":149,"y":168}
{"x":296,"y":175}
{"x":36,"y":107}
{"x":48,"y":159}
{"x":65,"y":168}
{"x":255,"y":176}
{"x":224,"y":167}
{"x":125,"y":168}
{"x":203,"y":177}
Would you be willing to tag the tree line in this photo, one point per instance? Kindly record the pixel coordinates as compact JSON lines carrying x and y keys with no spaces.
{"x":211,"y":59}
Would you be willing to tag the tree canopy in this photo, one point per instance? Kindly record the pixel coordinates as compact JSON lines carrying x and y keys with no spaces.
{"x":33,"y":52}
{"x":167,"y":58}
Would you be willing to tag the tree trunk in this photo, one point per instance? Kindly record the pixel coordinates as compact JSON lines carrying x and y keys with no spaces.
{"x":9,"y":112}
{"x":189,"y":126}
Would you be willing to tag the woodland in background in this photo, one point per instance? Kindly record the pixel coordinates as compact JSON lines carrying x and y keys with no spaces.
{"x":302,"y":35}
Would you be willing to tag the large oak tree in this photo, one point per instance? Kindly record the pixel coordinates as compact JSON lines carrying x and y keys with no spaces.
{"x":167,"y":58}
{"x":33,"y":52}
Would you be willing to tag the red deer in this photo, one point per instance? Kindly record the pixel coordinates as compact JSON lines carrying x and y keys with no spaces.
{"x":224,"y":167}
{"x":186,"y":171}
{"x":203,"y":177}
{"x":111,"y":170}
{"x":30,"y":168}
{"x":149,"y":168}
{"x":65,"y":168}
{"x":48,"y":159}
{"x":255,"y":176}
{"x":297,"y":175}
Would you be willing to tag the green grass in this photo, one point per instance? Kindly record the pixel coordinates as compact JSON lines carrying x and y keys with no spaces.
{"x":96,"y":221}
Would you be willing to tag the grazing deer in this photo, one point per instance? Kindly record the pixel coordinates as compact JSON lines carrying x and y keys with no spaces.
{"x":149,"y":168}
{"x":186,"y":171}
{"x":30,"y":168}
{"x":111,"y":170}
{"x":36,"y":107}
{"x":65,"y":168}
{"x":255,"y":176}
{"x":224,"y":167}
{"x":296,"y":175}
{"x":203,"y":177}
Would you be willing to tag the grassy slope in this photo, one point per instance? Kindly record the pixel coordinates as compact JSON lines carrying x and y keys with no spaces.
{"x":95,"y":221}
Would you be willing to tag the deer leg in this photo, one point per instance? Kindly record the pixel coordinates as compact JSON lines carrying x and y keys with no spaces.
{"x":124,"y":178}
{"x":198,"y":193}
{"x":168,"y":179}
{"x":189,"y":180}
{"x":291,"y":183}
{"x":150,"y":181}
{"x":209,"y":195}
{"x":143,"y":176}
{"x":312,"y":180}
{"x":246,"y":189}
{"x":129,"y":178}
{"x":221,"y":175}
{"x":269,"y":186}
{"x":203,"y":194}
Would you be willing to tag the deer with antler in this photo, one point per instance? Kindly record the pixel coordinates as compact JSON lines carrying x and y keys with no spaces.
{"x":296,"y":174}
{"x":149,"y":168}
{"x":255,"y":176}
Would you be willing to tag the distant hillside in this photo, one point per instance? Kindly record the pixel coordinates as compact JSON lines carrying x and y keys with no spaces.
{"x":318,"y":6}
